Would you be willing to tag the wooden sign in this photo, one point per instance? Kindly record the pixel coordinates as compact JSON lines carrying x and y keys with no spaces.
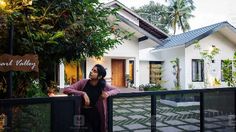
{"x":28,"y":62}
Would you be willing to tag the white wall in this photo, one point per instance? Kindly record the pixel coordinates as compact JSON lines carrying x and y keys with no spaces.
{"x":168,"y":77}
{"x":144,"y":74}
{"x":226,"y":47}
{"x":148,"y":55}
{"x":127,"y":49}
{"x":105,"y":61}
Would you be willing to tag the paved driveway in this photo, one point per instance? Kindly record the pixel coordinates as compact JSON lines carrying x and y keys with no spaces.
{"x":133,"y":115}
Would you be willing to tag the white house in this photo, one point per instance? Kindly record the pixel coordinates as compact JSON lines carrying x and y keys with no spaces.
{"x":146,"y":57}
{"x":129,"y":60}
{"x":220,"y":35}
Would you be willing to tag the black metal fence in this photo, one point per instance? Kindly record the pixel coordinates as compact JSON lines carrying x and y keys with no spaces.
{"x":214,"y":108}
{"x":54,"y":114}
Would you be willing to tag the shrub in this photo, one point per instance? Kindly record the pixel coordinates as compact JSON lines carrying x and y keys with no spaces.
{"x":151,"y":87}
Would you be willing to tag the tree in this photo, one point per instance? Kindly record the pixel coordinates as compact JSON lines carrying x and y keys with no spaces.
{"x":229,"y":73}
{"x":155,"y":13}
{"x":176,"y":72}
{"x":167,"y":17}
{"x":179,"y":12}
{"x":208,"y":56}
{"x":58,"y":29}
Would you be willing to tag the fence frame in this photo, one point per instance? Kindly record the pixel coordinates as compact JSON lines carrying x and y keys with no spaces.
{"x":59,"y":120}
{"x":153,"y":95}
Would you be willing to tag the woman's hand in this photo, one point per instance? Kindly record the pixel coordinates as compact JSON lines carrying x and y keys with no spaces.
{"x":86,"y":99}
{"x":104,"y":95}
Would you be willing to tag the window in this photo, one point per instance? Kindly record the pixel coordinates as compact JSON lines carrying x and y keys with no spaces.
{"x":74,"y":71}
{"x":197,"y":70}
{"x":155,"y":72}
{"x":226,"y":69}
{"x":131,"y":71}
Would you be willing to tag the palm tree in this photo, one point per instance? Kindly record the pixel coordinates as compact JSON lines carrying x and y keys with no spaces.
{"x":179,"y":12}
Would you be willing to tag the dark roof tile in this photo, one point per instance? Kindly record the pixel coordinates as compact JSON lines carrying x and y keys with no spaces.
{"x":188,"y":38}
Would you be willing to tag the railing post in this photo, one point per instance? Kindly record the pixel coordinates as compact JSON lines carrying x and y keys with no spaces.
{"x":202,"y":111}
{"x":153,"y":113}
{"x":110,"y":113}
{"x":234,"y":109}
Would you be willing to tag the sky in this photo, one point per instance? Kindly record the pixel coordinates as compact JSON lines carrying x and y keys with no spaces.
{"x":207,"y":12}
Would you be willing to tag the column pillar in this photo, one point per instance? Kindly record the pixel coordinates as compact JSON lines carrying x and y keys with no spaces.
{"x":136,"y":72}
{"x":62,"y":75}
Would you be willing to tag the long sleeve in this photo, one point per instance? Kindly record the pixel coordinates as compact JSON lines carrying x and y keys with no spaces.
{"x":75,"y":88}
{"x":111,"y":90}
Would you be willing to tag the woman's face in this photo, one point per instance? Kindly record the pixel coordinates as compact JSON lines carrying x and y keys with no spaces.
{"x":93,"y":73}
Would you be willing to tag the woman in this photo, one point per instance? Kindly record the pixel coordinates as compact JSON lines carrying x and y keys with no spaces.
{"x":94,"y":92}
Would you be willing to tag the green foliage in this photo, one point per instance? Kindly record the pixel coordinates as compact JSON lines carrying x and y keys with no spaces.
{"x":228,"y":73}
{"x":216,"y":82}
{"x":151,"y":87}
{"x":179,"y":12}
{"x":33,"y":118}
{"x":59,"y":29}
{"x":207,"y":56}
{"x":155,"y":13}
{"x":174,"y":15}
{"x":176,"y":72}
{"x":35,"y":90}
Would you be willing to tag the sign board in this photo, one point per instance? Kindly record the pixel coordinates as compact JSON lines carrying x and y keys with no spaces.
{"x":28,"y":62}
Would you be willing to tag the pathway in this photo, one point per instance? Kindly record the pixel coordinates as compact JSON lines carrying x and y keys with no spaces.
{"x":133,"y":115}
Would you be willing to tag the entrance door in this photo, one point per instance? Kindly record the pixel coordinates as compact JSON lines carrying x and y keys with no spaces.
{"x":118,"y":73}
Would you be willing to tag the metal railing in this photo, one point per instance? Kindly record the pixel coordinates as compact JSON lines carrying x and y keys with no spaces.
{"x":54,"y":114}
{"x":57,"y":114}
{"x":221,"y":100}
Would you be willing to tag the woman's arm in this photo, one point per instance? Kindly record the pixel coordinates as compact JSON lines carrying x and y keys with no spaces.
{"x":74,"y":88}
{"x":111,"y":90}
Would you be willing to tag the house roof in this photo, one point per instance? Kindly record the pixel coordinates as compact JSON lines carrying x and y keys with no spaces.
{"x":143,"y":24}
{"x":188,"y":38}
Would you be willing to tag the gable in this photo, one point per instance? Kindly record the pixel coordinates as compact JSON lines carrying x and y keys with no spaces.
{"x":142,"y":29}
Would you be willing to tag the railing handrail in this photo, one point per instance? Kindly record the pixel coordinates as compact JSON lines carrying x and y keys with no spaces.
{"x":37,"y":100}
{"x":164,"y":92}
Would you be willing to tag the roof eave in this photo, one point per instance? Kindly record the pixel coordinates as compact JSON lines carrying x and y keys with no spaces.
{"x":112,"y":3}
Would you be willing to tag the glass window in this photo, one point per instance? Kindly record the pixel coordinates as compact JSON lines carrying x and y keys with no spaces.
{"x":197,"y":70}
{"x":74,"y":71}
{"x":155,"y":72}
{"x":131,"y":71}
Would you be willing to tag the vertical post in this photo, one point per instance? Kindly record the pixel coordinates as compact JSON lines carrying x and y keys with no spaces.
{"x":10,"y":48}
{"x":202,"y":111}
{"x":234,"y":109}
{"x":153,"y":113}
{"x":110,"y":114}
{"x":10,"y":80}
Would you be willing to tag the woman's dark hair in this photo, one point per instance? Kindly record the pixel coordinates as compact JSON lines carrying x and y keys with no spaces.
{"x":101,"y":74}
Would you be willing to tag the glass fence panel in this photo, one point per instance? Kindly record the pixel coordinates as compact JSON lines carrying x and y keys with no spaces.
{"x":178,"y":112}
{"x":27,"y":118}
{"x":219,"y":111}
{"x":132,"y":114}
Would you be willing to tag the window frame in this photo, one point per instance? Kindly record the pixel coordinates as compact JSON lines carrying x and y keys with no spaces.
{"x":202,"y":70}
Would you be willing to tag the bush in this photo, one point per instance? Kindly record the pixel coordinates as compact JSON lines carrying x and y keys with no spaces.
{"x":151,"y":87}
